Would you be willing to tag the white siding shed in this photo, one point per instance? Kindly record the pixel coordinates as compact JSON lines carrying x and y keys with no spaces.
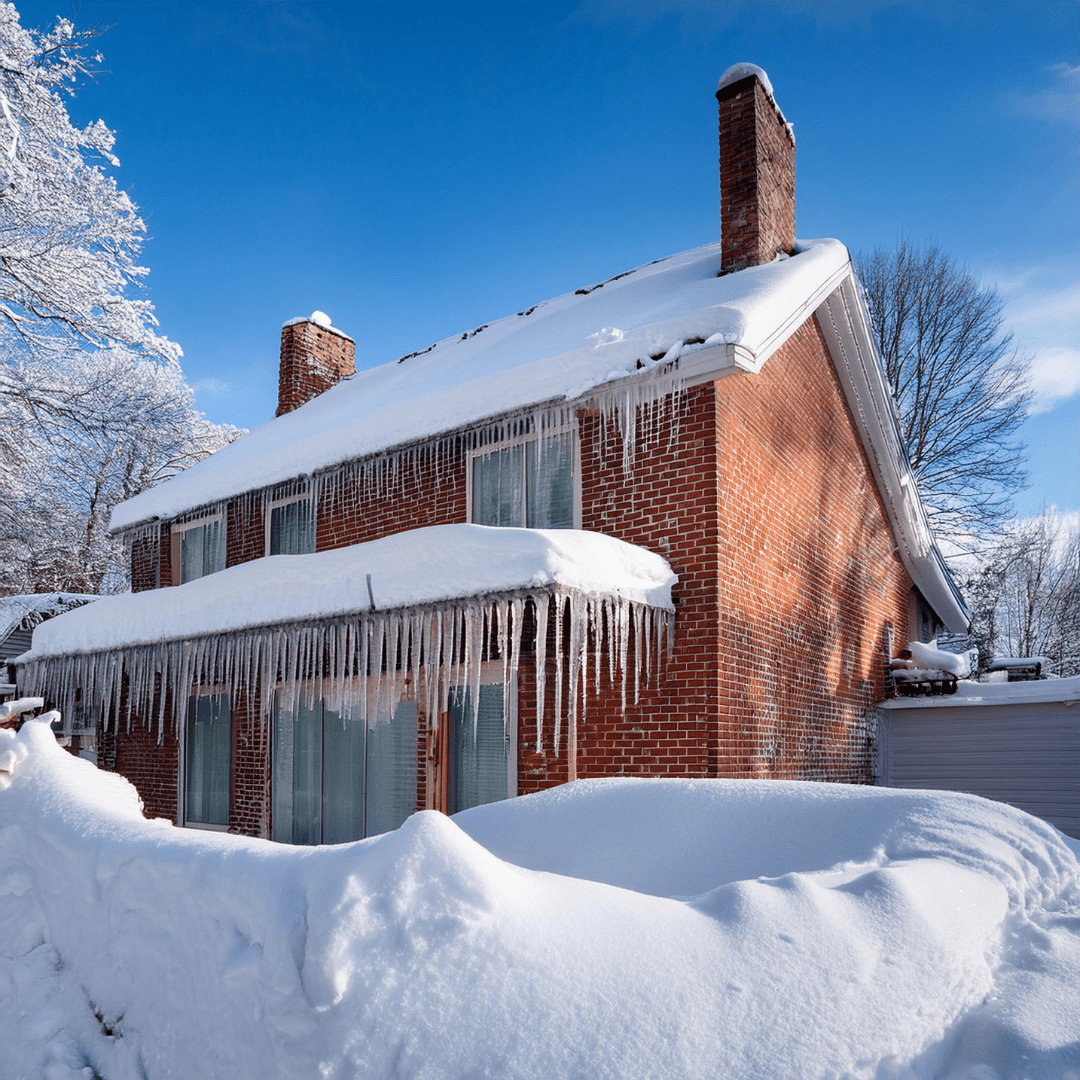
{"x":1018,"y":743}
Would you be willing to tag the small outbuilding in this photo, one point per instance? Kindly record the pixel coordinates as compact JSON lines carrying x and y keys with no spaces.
{"x":1017,"y":742}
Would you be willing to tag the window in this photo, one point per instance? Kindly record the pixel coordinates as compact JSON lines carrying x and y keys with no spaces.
{"x":200,"y":550}
{"x":530,"y":483}
{"x":290,"y":527}
{"x":481,"y":765}
{"x":207,"y":761}
{"x":338,"y":775}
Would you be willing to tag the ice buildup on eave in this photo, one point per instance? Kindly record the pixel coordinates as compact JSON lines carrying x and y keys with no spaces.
{"x":424,"y":607}
{"x":609,"y":343}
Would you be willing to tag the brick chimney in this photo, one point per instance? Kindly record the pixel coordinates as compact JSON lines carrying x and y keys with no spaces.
{"x":757,"y":171}
{"x":314,"y":356}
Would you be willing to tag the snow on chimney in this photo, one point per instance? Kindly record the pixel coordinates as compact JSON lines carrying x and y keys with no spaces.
{"x":757,"y":171}
{"x":314,"y":356}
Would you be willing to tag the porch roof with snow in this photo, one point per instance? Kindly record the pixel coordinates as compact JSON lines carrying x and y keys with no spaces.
{"x":407,"y":571}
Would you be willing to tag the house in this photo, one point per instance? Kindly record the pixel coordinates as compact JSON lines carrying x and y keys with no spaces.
{"x":663,"y":525}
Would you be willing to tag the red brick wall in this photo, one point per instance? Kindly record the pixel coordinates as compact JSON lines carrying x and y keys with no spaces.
{"x":757,"y":177}
{"x":151,"y":561}
{"x":431,"y":493}
{"x":809,"y":573}
{"x":313,"y":358}
{"x":154,"y":770}
{"x":245,"y":537}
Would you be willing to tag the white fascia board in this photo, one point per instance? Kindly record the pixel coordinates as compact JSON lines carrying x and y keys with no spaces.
{"x":708,"y":364}
{"x":845,"y":324}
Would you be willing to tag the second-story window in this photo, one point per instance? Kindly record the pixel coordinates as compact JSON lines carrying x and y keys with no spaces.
{"x":290,"y":527}
{"x":202,"y":548}
{"x":528,"y":483}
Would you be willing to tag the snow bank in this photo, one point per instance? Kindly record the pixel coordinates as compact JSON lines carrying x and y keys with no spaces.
{"x":606,"y":929}
{"x":420,"y":566}
{"x":558,"y":350}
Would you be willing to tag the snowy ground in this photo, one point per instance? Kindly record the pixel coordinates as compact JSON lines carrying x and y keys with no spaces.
{"x":631,"y":928}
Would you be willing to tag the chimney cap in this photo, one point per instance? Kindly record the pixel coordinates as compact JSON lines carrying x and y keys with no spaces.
{"x":319,"y":319}
{"x":737,"y":72}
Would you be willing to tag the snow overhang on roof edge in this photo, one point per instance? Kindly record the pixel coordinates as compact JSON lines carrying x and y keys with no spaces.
{"x":413,"y":570}
{"x":845,"y":322}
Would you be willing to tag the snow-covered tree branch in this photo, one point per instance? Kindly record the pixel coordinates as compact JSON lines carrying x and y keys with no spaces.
{"x":120,"y":424}
{"x":1025,"y":593}
{"x":69,"y":237}
{"x":93,"y":404}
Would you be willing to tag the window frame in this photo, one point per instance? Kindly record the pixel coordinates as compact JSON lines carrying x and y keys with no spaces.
{"x":181,"y":779}
{"x":522,"y":440}
{"x":310,"y":687}
{"x":176,"y":544}
{"x":491,"y":674}
{"x":284,"y":500}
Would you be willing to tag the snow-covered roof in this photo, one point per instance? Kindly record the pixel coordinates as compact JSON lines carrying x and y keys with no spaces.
{"x":409,"y":569}
{"x":40,"y":606}
{"x":558,"y":350}
{"x":1032,"y":692}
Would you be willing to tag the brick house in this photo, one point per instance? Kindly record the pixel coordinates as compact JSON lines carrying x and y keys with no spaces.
{"x":661,"y":526}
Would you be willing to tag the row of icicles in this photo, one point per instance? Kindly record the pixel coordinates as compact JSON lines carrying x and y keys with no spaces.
{"x":637,"y":411}
{"x":366,"y":663}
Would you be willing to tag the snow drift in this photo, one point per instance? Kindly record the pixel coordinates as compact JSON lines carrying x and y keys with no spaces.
{"x":624,"y":928}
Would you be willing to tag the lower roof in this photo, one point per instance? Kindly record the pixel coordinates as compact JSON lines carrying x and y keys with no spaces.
{"x":411,"y":569}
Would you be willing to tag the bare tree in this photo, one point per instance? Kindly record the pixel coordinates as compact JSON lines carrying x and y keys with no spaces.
{"x":960,"y":385}
{"x":1025,"y":594}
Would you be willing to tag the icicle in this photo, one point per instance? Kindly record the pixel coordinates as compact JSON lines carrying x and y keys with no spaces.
{"x":578,"y":627}
{"x":541,"y":604}
{"x":502,"y":609}
{"x":638,"y":632}
{"x":596,"y":626}
{"x":474,"y":637}
{"x":517,"y":606}
{"x":560,"y":600}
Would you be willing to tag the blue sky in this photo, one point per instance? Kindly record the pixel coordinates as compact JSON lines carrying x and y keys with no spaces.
{"x":415,"y":169}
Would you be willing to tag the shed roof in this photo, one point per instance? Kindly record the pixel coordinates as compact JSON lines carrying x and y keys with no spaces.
{"x":995,"y":695}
